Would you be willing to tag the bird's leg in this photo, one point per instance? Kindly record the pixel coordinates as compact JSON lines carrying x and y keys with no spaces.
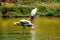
{"x":23,"y":29}
{"x":32,"y":18}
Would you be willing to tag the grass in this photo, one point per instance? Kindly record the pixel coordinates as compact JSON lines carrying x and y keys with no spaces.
{"x":46,"y":28}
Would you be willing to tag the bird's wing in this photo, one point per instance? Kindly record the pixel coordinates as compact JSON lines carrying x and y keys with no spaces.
{"x":33,"y":12}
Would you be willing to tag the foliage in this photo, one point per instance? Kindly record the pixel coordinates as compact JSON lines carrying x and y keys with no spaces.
{"x":26,"y":10}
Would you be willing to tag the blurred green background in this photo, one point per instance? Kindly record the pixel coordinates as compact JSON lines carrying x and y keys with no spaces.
{"x":24,"y":7}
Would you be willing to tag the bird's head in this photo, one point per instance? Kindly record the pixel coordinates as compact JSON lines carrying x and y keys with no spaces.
{"x":16,"y":23}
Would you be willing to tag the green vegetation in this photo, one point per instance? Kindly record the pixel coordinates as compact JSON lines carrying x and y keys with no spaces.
{"x":24,"y":7}
{"x":26,"y":10}
{"x":28,"y":2}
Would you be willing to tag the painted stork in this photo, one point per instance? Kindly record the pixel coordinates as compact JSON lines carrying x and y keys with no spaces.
{"x":33,"y":13}
{"x":24,"y":23}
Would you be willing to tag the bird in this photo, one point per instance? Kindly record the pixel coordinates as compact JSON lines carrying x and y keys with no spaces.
{"x":33,"y":13}
{"x":24,"y":23}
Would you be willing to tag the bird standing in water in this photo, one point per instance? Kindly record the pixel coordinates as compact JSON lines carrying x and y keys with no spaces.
{"x":33,"y":14}
{"x":24,"y":23}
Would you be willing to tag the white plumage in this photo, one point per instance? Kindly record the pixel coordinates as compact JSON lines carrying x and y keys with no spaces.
{"x":24,"y":22}
{"x":33,"y":12}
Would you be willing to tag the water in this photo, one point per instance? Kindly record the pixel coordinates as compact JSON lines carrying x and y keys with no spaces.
{"x":32,"y":36}
{"x":45,"y":29}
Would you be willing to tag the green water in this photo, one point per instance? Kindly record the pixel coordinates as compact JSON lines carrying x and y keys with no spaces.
{"x":45,"y":29}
